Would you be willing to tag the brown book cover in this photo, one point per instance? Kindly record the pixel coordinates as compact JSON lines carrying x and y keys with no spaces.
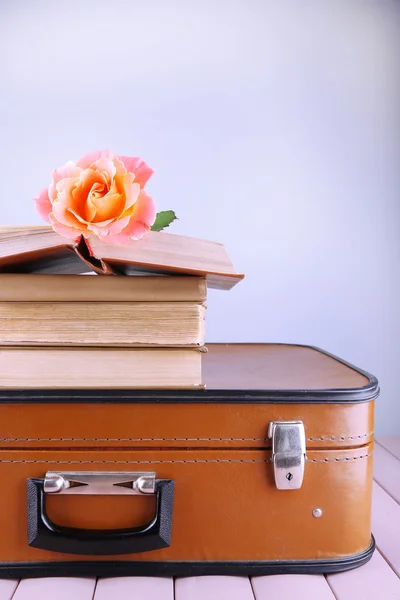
{"x":41,"y":250}
{"x":16,"y":287}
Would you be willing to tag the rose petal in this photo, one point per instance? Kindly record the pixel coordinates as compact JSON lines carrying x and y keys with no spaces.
{"x":138,"y":230}
{"x":109,"y":206}
{"x":43,"y":205}
{"x":65,"y":201}
{"x":143,"y":216}
{"x":90,"y":209}
{"x":119,"y":165}
{"x":145,"y":209}
{"x":106,"y":167}
{"x":88,"y":178}
{"x":137,"y":166}
{"x":67,"y":184}
{"x":116,"y":227}
{"x":68,"y":232}
{"x":89,"y":181}
{"x":90,"y":157}
{"x":131,"y":189}
{"x":118,"y":240}
{"x":100,"y":229}
{"x":68,"y":170}
{"x":71,"y":211}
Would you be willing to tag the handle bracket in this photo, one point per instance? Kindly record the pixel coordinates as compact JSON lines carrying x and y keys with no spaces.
{"x":92,"y":483}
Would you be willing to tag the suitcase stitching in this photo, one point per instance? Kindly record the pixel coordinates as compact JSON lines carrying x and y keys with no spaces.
{"x":156,"y":462}
{"x":134,"y":462}
{"x":341,"y":438}
{"x":338,"y":459}
{"x":321,"y":439}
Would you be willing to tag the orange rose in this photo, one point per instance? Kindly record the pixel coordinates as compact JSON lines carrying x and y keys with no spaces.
{"x":101,"y":194}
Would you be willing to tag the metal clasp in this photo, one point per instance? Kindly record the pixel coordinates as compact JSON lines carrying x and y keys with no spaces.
{"x":288,"y":453}
{"x":93,"y":483}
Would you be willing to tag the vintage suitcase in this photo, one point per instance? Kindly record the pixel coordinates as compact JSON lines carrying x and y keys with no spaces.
{"x":267,"y":470}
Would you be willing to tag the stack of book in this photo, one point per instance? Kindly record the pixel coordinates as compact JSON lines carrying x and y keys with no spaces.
{"x":61,"y":328}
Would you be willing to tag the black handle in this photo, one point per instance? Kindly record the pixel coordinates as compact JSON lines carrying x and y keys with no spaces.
{"x":44,"y":534}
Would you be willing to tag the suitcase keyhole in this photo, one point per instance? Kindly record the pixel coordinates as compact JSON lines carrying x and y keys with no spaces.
{"x":289,"y":477}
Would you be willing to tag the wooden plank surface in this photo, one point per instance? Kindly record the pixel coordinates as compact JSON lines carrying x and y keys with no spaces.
{"x":386,"y":526}
{"x":391,"y":443}
{"x":373,"y":581}
{"x":283,"y":587}
{"x":57,"y":588}
{"x":7,"y":588}
{"x":129,"y":588}
{"x":213,"y":588}
{"x":387,"y":471}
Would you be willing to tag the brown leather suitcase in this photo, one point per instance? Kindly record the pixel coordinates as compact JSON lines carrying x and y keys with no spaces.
{"x":267,"y":470}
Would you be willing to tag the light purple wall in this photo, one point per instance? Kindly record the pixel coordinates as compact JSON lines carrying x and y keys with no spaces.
{"x":272,"y":126}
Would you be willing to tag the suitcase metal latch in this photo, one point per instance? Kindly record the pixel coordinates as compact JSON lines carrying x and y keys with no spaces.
{"x":288,"y":453}
{"x":93,"y":483}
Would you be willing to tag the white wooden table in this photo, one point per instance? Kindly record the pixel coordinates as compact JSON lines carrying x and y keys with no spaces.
{"x":377,"y":580}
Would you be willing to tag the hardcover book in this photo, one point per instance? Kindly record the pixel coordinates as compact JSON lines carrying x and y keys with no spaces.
{"x":102,"y":323}
{"x":42,"y":250}
{"x":111,"y":368}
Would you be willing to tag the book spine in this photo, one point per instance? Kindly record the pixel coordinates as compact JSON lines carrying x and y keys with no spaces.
{"x":82,"y":288}
{"x":113,"y":368}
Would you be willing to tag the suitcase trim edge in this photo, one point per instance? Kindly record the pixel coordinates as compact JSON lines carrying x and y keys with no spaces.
{"x":365,"y":393}
{"x":184,"y":569}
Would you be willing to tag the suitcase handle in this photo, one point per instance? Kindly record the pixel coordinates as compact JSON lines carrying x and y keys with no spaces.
{"x":47,"y":535}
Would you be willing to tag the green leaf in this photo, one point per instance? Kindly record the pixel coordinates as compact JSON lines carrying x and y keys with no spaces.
{"x":163,"y":219}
